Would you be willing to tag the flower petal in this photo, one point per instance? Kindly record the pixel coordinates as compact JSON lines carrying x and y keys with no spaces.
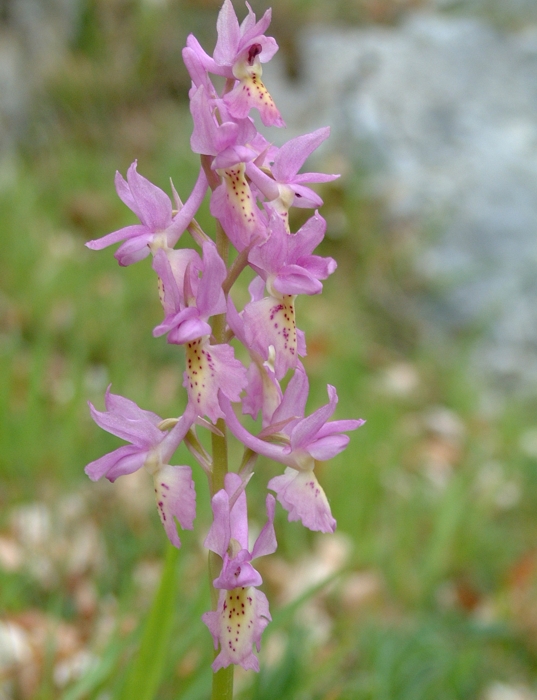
{"x":133,"y":250}
{"x":210,"y":298}
{"x":140,"y":432}
{"x":294,"y":398}
{"x":219,"y":534}
{"x":304,"y":499}
{"x":292,"y":155}
{"x":271,"y":321}
{"x":115,"y":403}
{"x":237,"y":625}
{"x":306,"y":430}
{"x":266,"y":542}
{"x":125,"y":460}
{"x":227,"y":27}
{"x":127,"y":232}
{"x":251,"y":93}
{"x":210,"y":368}
{"x":176,"y":498}
{"x":294,"y":279}
{"x":152,"y":206}
{"x":328,"y":447}
{"x":187,"y":212}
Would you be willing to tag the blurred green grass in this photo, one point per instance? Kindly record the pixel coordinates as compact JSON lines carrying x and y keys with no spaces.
{"x":429,"y":588}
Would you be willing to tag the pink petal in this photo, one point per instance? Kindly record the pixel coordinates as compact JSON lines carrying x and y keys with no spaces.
{"x":293,"y":154}
{"x":116,"y":403}
{"x":176,"y":436}
{"x":271,"y":255}
{"x":271,"y":321}
{"x":270,"y":450}
{"x":181,"y":318}
{"x":237,"y":625}
{"x":227,"y":26}
{"x":319,"y":267}
{"x":208,"y":63}
{"x":187,"y":212}
{"x":314,"y":177}
{"x":219,"y":534}
{"x":304,"y":499}
{"x":238,"y":572}
{"x":189,"y":330}
{"x":263,"y":182}
{"x":308,"y":237}
{"x":266,"y":542}
{"x":251,"y":93}
{"x":328,"y":447}
{"x":262,"y":393}
{"x":293,"y":279}
{"x":140,"y":432}
{"x":209,"y":137}
{"x":305,"y":197}
{"x":210,"y":298}
{"x":306,"y":430}
{"x":152,"y":206}
{"x":238,"y":516}
{"x":339,"y":426}
{"x":125,"y":460}
{"x":194,"y":65}
{"x":133,"y":250}
{"x":121,"y":234}
{"x":294,"y":398}
{"x":211,"y":368}
{"x":176,"y":498}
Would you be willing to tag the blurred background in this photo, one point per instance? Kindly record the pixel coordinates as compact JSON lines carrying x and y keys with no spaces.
{"x":428,"y":330}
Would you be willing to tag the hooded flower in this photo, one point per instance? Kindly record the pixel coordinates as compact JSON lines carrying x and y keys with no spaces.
{"x":285,"y":187}
{"x":263,"y":392}
{"x":152,"y":448}
{"x":234,"y":204}
{"x":270,"y":328}
{"x":285,"y":260}
{"x":239,"y":52}
{"x":301,"y":442}
{"x":188,"y":303}
{"x":224,"y":138}
{"x":157,"y":227}
{"x":242,"y":612}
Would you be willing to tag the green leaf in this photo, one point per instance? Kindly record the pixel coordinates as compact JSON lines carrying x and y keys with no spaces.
{"x":97,"y":674}
{"x":144,"y":677}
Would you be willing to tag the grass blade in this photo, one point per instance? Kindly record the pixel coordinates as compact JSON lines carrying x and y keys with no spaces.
{"x":145,"y":674}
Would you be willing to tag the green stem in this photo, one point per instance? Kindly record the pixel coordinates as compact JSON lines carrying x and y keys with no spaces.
{"x":222,"y":679}
{"x":223,"y":684}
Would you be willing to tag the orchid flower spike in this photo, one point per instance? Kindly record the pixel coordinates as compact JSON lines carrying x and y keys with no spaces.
{"x":253,"y":184}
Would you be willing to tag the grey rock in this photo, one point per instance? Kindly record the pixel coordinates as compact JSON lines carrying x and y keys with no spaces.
{"x":442,"y":114}
{"x":34,"y":36}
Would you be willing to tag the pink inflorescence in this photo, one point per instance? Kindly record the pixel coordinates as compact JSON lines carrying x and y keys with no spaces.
{"x":253,"y":185}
